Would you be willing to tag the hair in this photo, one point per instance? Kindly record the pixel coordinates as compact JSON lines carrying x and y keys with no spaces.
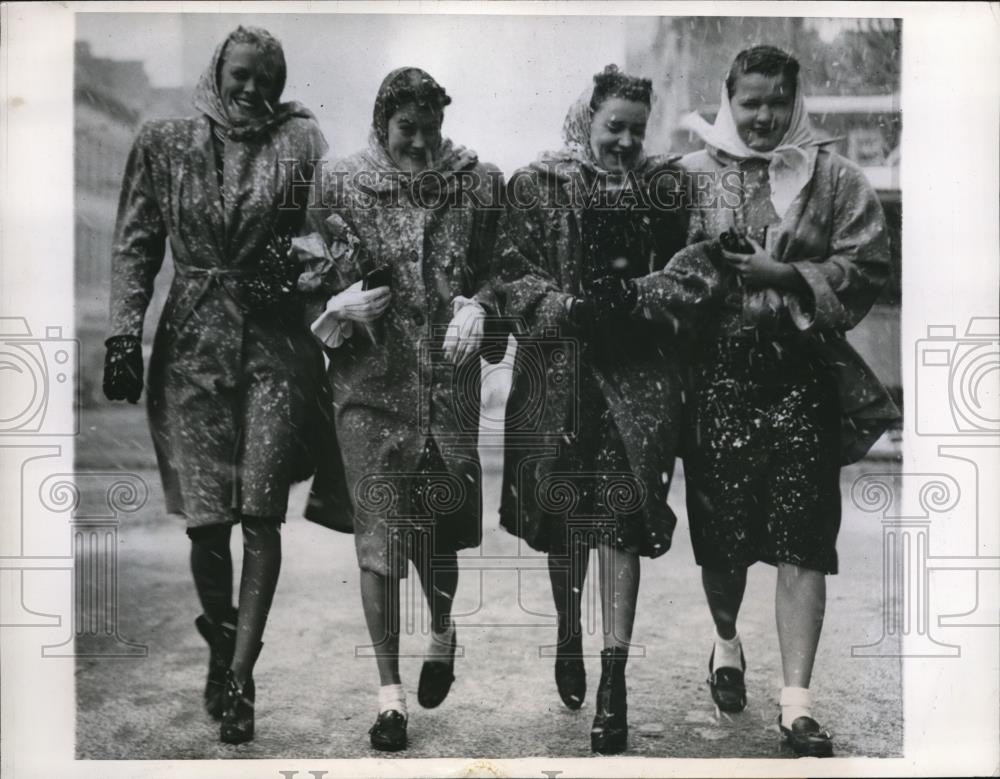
{"x":403,"y":86}
{"x":268,"y":46}
{"x":611,"y":82}
{"x":766,"y":60}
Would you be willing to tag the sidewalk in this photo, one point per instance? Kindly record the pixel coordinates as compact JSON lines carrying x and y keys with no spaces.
{"x":316,"y":696}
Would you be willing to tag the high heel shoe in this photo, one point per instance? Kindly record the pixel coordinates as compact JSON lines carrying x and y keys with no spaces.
{"x":571,"y":674}
{"x":221,"y":640}
{"x":609,"y":733}
{"x":238,"y":708}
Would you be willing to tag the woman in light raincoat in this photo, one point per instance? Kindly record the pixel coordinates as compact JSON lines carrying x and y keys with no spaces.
{"x":235,"y":377}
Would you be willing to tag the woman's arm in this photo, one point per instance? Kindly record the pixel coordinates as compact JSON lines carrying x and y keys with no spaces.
{"x":841,"y":287}
{"x":140,"y":241}
{"x":526,"y":289}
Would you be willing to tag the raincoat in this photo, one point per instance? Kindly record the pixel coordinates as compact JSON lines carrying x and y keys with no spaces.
{"x":592,"y":421}
{"x":235,"y":376}
{"x":406,"y":419}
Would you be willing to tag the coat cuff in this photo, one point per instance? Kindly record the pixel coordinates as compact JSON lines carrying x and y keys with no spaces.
{"x":330,"y":331}
{"x":819,"y":310}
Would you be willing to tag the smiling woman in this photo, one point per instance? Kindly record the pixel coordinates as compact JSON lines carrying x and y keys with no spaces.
{"x":235,"y":381}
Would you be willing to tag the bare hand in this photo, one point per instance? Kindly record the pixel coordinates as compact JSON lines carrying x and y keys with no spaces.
{"x":357,"y":305}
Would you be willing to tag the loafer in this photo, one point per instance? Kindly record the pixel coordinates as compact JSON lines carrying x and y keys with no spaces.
{"x":388,"y":734}
{"x":727,"y":685}
{"x":807,"y":738}
{"x":436,"y":677}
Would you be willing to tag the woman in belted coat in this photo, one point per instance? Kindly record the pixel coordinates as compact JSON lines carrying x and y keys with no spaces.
{"x":235,"y":376}
{"x":411,"y":213}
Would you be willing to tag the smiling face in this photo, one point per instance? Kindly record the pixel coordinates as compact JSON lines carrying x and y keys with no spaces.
{"x":247,"y":79}
{"x":414,"y":136}
{"x":617,"y":132}
{"x":762,"y":109}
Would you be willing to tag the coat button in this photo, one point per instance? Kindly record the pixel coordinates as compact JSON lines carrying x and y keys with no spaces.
{"x":418,"y":318}
{"x":414,"y":256}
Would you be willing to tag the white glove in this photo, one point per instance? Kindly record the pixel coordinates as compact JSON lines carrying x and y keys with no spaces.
{"x":465,"y":331}
{"x":353,"y":304}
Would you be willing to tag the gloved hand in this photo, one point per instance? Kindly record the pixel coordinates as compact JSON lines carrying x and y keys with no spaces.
{"x":123,"y":368}
{"x":465,"y":331}
{"x":612,"y":297}
{"x":357,"y":305}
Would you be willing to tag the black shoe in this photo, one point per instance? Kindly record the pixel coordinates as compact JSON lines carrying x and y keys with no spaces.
{"x":221,"y":640}
{"x":807,"y":738}
{"x":609,"y":733}
{"x":436,"y":677}
{"x":388,"y":734}
{"x":571,"y":674}
{"x":237,"y":711}
{"x":727,"y":685}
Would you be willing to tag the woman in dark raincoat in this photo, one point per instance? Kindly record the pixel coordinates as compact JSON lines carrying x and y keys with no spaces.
{"x":592,"y":419}
{"x":235,"y":375}
{"x":781,"y":400}
{"x":408,"y":213}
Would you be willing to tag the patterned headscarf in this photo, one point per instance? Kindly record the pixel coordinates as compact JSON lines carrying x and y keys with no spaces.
{"x":208,"y":98}
{"x":397,"y":89}
{"x":576,"y":136}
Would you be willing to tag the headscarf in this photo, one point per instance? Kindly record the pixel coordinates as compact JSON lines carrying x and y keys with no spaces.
{"x":208,"y":97}
{"x":576,"y":141}
{"x":447,"y":158}
{"x":791,"y":162}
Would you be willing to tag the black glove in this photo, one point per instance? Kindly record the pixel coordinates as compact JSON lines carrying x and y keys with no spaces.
{"x":612,"y":297}
{"x":123,"y":368}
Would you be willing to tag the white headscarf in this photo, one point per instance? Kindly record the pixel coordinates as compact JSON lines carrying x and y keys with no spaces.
{"x":791,"y":162}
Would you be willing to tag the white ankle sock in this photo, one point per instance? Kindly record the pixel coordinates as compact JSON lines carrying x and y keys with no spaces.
{"x":727,"y":653}
{"x":795,"y":702}
{"x":440,"y":643}
{"x":392,"y":697}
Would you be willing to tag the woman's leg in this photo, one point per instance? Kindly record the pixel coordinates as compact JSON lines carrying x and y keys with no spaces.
{"x":800,"y":605}
{"x":212,"y":568}
{"x":380,"y":601}
{"x":567,"y":574}
{"x":259,"y":579}
{"x":439,"y":581}
{"x":619,"y":572}
{"x":724,"y":592}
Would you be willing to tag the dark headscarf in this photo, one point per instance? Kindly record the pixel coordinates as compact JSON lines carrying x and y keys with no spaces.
{"x":208,"y":98}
